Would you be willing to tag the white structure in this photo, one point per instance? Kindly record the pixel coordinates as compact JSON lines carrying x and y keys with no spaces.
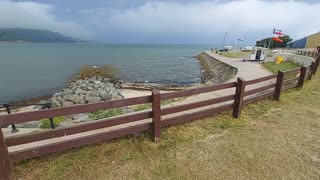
{"x":228,"y":47}
{"x":259,"y":54}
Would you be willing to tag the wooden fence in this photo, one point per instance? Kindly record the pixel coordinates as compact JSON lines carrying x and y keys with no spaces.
{"x":308,"y":53}
{"x":136,"y":122}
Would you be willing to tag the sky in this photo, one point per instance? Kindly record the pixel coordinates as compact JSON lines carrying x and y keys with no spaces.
{"x":164,"y":21}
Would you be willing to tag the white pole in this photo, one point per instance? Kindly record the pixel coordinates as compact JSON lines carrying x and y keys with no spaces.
{"x":235,"y":45}
{"x":270,"y":38}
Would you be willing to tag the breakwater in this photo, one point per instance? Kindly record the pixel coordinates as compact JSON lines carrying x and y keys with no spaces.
{"x":215,"y":71}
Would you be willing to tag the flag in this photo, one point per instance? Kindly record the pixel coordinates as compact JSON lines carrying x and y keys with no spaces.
{"x":278,"y":32}
{"x":241,"y":38}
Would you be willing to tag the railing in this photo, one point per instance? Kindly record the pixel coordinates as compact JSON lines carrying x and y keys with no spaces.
{"x":308,"y":53}
{"x":154,"y":119}
{"x":8,"y":106}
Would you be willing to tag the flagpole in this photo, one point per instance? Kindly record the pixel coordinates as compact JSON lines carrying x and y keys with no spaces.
{"x":235,"y":45}
{"x":270,"y":38}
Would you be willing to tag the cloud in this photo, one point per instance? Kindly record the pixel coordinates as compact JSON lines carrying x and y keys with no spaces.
{"x":37,"y":16}
{"x":206,"y":19}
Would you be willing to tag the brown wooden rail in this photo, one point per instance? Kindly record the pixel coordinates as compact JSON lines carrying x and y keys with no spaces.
{"x":85,"y":134}
{"x":308,"y":53}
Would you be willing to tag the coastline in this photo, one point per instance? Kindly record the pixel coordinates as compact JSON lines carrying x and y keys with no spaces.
{"x":213,"y":72}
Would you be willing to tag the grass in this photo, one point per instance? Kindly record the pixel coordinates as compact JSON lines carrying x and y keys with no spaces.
{"x":238,"y":54}
{"x":45,"y":123}
{"x":105,"y":114}
{"x":274,"y":67}
{"x":271,"y":140}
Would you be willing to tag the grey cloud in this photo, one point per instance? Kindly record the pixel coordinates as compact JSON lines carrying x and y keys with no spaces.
{"x":37,"y":16}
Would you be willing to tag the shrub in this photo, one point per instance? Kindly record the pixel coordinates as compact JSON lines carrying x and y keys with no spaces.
{"x":105,"y":114}
{"x":106,"y":71}
{"x":142,"y":107}
{"x":45,"y":123}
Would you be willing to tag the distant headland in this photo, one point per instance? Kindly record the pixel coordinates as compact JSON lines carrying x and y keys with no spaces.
{"x":20,"y":35}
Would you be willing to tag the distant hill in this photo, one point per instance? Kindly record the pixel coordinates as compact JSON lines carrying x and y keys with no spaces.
{"x":35,"y":36}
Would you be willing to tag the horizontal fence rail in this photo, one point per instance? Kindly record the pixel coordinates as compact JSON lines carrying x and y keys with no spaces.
{"x":99,"y":124}
{"x":149,"y":120}
{"x":191,"y":92}
{"x":77,"y":109}
{"x":81,"y":141}
{"x":308,"y":53}
{"x":266,"y":78}
{"x":184,"y":107}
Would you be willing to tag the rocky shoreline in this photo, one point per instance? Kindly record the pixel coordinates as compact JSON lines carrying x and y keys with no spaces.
{"x":101,"y":89}
{"x":89,"y":90}
{"x":97,"y":89}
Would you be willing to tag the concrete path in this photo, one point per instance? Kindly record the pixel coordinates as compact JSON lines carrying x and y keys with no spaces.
{"x":246,"y":70}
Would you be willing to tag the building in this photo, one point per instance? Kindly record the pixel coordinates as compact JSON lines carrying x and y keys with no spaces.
{"x":311,"y":41}
{"x":298,"y":44}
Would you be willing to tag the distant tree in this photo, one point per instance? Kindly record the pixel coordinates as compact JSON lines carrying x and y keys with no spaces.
{"x":265,"y":42}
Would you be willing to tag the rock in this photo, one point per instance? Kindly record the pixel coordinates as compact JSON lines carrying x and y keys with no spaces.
{"x":67,"y":104}
{"x":89,"y":90}
{"x":79,"y":91}
{"x":75,"y":99}
{"x":93,"y":99}
{"x":106,"y":96}
{"x":67,"y":92}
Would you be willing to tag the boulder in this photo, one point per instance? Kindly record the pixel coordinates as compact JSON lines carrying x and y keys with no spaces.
{"x":105,"y":96}
{"x":75,"y":99}
{"x":93,"y":99}
{"x":67,"y":104}
{"x":87,"y":91}
{"x":67,"y":92}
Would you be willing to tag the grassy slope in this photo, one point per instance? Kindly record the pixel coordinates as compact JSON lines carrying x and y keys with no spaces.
{"x":238,"y":54}
{"x":271,"y":140}
{"x":274,"y":68}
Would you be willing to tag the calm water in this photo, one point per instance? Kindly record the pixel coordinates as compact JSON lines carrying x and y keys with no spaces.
{"x":27,"y":70}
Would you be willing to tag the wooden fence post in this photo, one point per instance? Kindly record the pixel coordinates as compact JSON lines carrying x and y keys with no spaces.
{"x":239,"y":97}
{"x":279,"y":85}
{"x":303,"y":72}
{"x":309,"y":53}
{"x":311,"y":70}
{"x":316,"y":65}
{"x":156,"y":111}
{"x":6,"y":166}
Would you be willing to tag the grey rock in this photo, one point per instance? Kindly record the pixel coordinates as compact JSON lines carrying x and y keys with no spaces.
{"x":67,"y":104}
{"x":75,"y":99}
{"x":79,"y":91}
{"x":67,"y":92}
{"x":90,"y":88}
{"x":93,"y":99}
{"x":106,"y":96}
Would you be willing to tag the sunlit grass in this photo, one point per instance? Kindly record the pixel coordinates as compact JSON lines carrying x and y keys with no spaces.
{"x":271,"y":140}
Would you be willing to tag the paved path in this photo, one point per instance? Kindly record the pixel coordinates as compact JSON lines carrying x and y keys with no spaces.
{"x":246,"y":70}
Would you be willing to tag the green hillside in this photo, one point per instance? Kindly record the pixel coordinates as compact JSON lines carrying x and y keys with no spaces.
{"x":34,"y":36}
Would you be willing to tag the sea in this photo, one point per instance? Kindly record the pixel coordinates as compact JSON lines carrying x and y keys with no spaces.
{"x":36,"y":69}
